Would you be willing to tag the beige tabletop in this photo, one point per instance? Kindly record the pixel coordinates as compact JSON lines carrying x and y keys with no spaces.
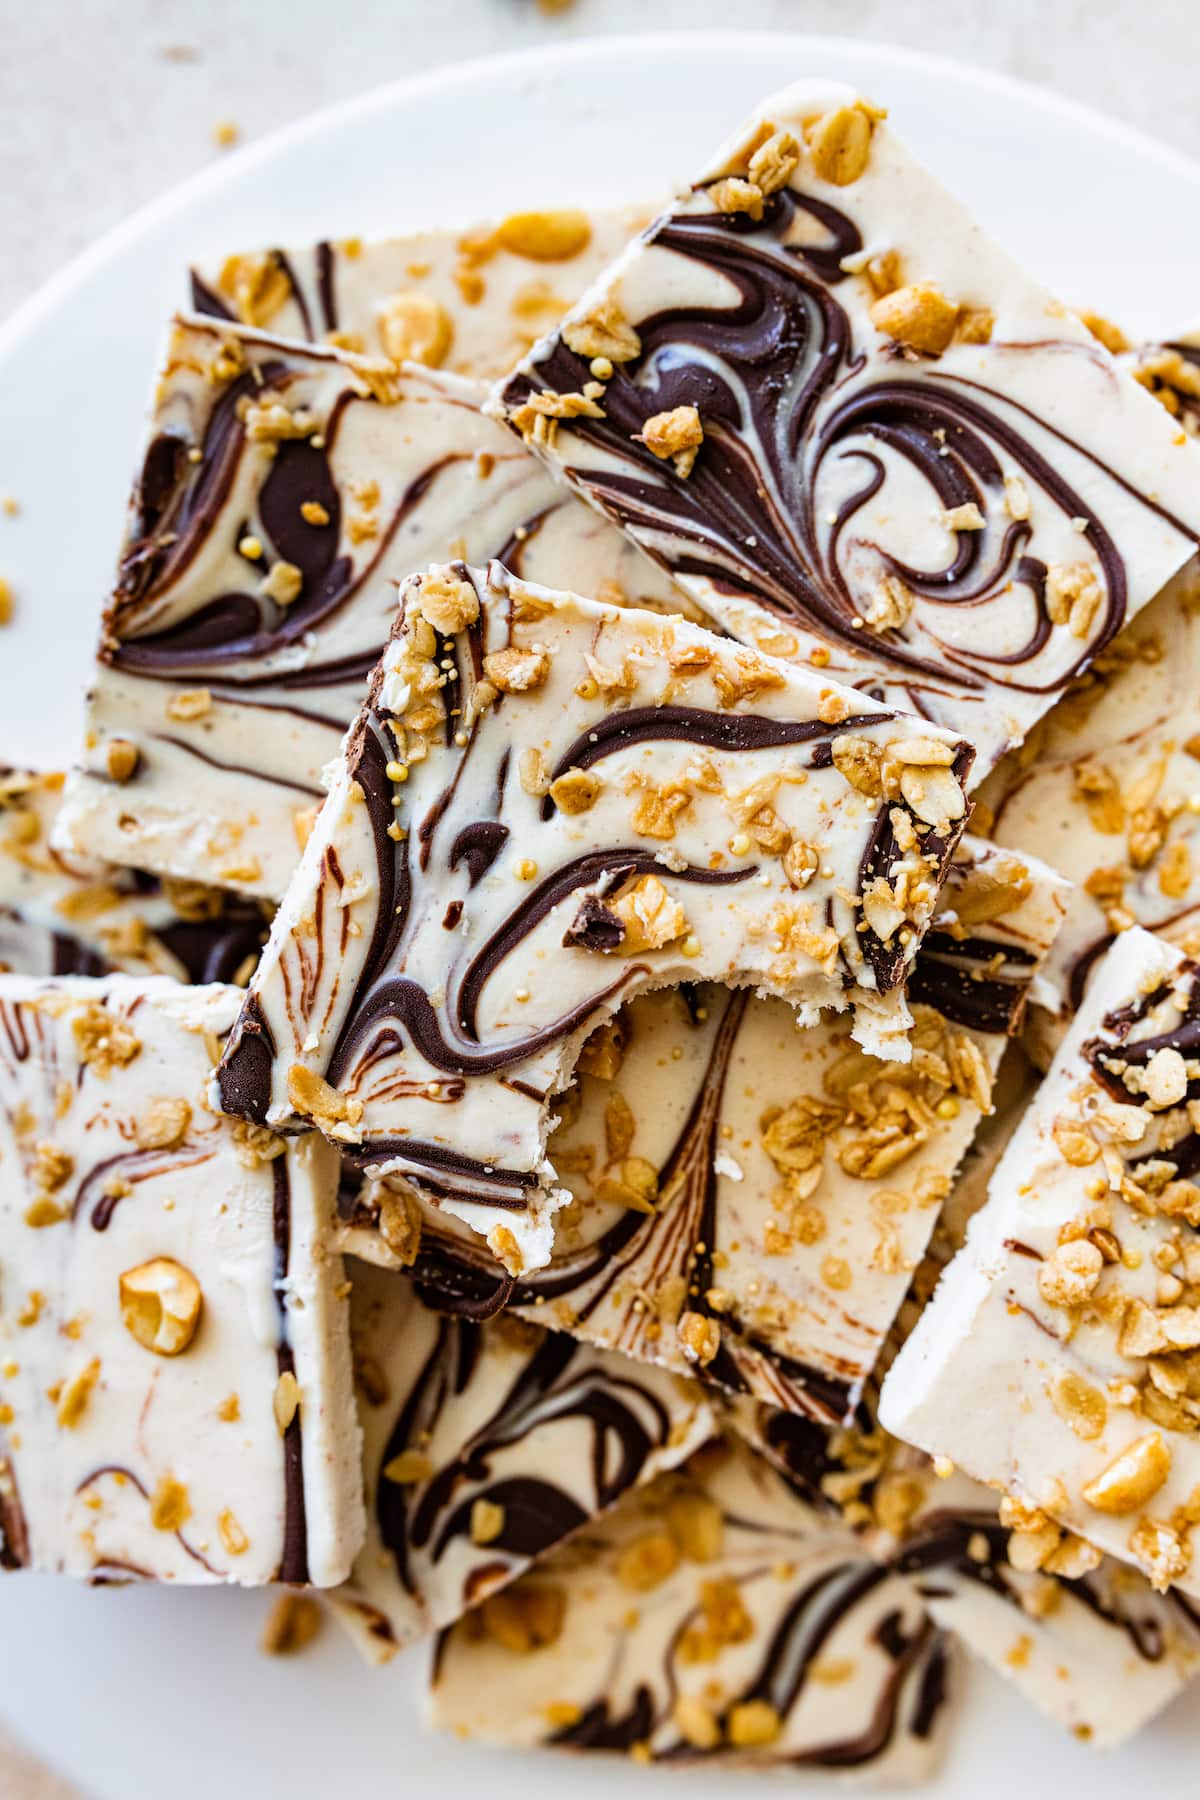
{"x":21,"y":1778}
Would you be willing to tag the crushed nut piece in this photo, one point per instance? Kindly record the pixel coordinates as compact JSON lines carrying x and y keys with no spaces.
{"x":545,"y":236}
{"x":1132,"y":1478}
{"x":919,"y":316}
{"x":292,"y":1624}
{"x":415,"y":327}
{"x":161,"y":1303}
{"x":516,"y":671}
{"x":527,"y":1616}
{"x":699,"y":1338}
{"x":170,"y":1505}
{"x":839,"y":143}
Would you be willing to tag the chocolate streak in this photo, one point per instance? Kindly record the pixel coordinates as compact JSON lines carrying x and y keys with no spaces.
{"x":768,"y":374}
{"x":560,"y":1380}
{"x":951,"y":1542}
{"x":918,"y":1661}
{"x":458,"y":1276}
{"x":293,"y":1563}
{"x":14,"y":1528}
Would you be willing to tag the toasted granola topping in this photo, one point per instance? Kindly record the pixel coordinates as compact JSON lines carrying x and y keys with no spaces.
{"x":647,"y":1561}
{"x":315,"y":1099}
{"x":1069,"y":1275}
{"x":860,"y":761}
{"x":650,"y":917}
{"x":170,"y":1505}
{"x":103,"y":1041}
{"x":699,"y":1338}
{"x":675,"y":436}
{"x":122,"y":759}
{"x":1105,"y":332}
{"x":516,"y":671}
{"x":733,"y":195}
{"x":487,"y":1521}
{"x":408,"y":1468}
{"x":257,"y":285}
{"x":774,"y":161}
{"x":164,"y":1124}
{"x":1073,"y":596}
{"x":576,"y":791}
{"x":697,"y":1526}
{"x":282,"y":584}
{"x":400,"y":1225}
{"x":604,"y":332}
{"x":448,"y":603}
{"x":753,"y":1723}
{"x":74,"y":1395}
{"x":286,"y":1401}
{"x":1163,"y":1553}
{"x":696,"y":1723}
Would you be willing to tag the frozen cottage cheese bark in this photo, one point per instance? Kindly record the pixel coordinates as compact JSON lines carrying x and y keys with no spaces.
{"x":1057,"y":1359}
{"x":484,"y":1446}
{"x":63,"y":913}
{"x":176,"y":1400}
{"x":1108,"y":791}
{"x":284,"y":492}
{"x":1082,"y":1637}
{"x":470,"y":301}
{"x":714,"y":1617}
{"x":546,"y":805}
{"x":751,"y":1205}
{"x":857,"y":432}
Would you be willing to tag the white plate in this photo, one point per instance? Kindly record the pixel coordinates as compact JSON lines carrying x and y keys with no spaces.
{"x":143,"y":1693}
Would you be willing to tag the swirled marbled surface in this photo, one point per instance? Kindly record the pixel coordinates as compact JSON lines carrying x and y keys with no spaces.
{"x":1109,"y":792}
{"x":284,"y":491}
{"x":762,"y":1195}
{"x":547,"y":804}
{"x":716,"y":1617}
{"x":485,"y":1445}
{"x":957,"y":502}
{"x":1097,"y":1650}
{"x":63,"y":913}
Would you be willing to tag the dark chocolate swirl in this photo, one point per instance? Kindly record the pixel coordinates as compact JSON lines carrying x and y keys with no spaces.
{"x":785,"y":399}
{"x":559,"y":1380}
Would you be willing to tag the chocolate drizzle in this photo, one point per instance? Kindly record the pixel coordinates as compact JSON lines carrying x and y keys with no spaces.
{"x":659,"y":1250}
{"x":558,"y":1380}
{"x":293,"y":1564}
{"x":244,"y":1075}
{"x":910,"y":1696}
{"x":694,"y":725}
{"x":786,"y":400}
{"x":977,"y":982}
{"x":14,"y":1528}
